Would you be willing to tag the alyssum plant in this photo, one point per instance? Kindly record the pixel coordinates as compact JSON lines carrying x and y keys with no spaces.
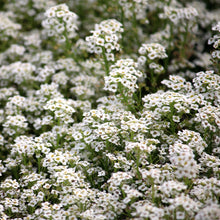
{"x":109,"y":110}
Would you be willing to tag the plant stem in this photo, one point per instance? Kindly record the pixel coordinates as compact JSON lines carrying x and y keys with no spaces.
{"x":105,"y":61}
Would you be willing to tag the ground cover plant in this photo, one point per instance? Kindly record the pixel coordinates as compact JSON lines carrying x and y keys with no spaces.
{"x":110,"y":109}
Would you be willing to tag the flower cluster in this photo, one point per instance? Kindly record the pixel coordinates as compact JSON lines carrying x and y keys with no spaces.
{"x":149,"y":61}
{"x":9,"y":29}
{"x":123,"y":74}
{"x":62,"y":109}
{"x":208,"y":84}
{"x":105,"y":38}
{"x":176,"y":15}
{"x":153,"y":51}
{"x":181,"y":156}
{"x":135,"y":8}
{"x":177,"y":83}
{"x":215,"y":40}
{"x":60,"y":22}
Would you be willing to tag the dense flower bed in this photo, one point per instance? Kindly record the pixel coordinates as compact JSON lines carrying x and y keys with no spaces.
{"x":110,"y":109}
